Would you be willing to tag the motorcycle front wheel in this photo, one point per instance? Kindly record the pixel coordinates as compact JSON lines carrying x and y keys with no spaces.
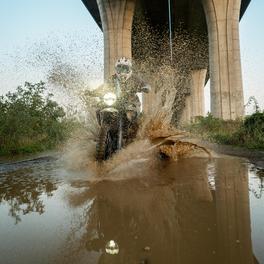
{"x":104,"y":146}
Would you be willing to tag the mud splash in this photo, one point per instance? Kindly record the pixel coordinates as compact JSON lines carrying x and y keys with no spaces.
{"x":155,"y":137}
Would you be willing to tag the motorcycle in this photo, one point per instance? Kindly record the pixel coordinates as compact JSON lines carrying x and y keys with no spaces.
{"x":117,"y":118}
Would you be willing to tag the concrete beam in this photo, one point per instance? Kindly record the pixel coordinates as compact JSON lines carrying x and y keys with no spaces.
{"x":194,"y":105}
{"x":160,"y":16}
{"x":116,"y":17}
{"x":225,"y":64}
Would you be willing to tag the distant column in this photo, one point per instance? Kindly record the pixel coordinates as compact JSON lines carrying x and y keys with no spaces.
{"x":197,"y":93}
{"x":225,"y":63}
{"x":186,"y":113}
{"x":194,"y":104}
{"x":116,"y":17}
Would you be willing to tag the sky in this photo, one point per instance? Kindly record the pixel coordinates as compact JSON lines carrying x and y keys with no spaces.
{"x":65,"y":28}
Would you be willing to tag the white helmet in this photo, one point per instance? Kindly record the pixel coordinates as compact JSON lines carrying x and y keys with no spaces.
{"x":123,"y":68}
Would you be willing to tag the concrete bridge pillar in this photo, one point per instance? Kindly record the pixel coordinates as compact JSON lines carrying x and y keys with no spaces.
{"x":194,"y":104}
{"x":116,"y":17}
{"x":225,"y":64}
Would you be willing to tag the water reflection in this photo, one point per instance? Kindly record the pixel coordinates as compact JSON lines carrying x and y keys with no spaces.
{"x":232,"y":212}
{"x":169,"y":216}
{"x":257,"y":186}
{"x":21,"y":189}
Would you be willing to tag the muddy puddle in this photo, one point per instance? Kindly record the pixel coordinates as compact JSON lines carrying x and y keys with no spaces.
{"x":195,"y":210}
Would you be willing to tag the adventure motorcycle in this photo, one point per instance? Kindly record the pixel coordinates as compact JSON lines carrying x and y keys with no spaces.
{"x":117,"y":118}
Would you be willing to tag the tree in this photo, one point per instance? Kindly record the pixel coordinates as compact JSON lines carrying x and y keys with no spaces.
{"x":30,"y":120}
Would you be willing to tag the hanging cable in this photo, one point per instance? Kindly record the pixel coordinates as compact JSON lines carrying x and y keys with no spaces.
{"x":170,"y":27}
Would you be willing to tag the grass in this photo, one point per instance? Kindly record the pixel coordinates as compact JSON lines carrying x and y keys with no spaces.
{"x":248,"y":133}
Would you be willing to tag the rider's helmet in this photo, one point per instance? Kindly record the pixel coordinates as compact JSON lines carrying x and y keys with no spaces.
{"x":123,"y":68}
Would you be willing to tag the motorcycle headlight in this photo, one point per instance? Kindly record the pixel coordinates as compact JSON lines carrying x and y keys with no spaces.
{"x":109,"y":98}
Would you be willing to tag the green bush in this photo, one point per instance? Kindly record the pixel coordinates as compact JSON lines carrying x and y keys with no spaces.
{"x":31,"y":121}
{"x":252,"y":131}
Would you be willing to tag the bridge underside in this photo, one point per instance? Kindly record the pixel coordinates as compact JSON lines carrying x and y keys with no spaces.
{"x":188,"y":12}
{"x":217,"y":19}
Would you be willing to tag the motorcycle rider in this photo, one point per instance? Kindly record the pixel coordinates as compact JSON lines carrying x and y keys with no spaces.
{"x":129,"y":84}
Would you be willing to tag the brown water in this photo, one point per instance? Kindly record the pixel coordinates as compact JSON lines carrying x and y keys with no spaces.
{"x":191,"y":211}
